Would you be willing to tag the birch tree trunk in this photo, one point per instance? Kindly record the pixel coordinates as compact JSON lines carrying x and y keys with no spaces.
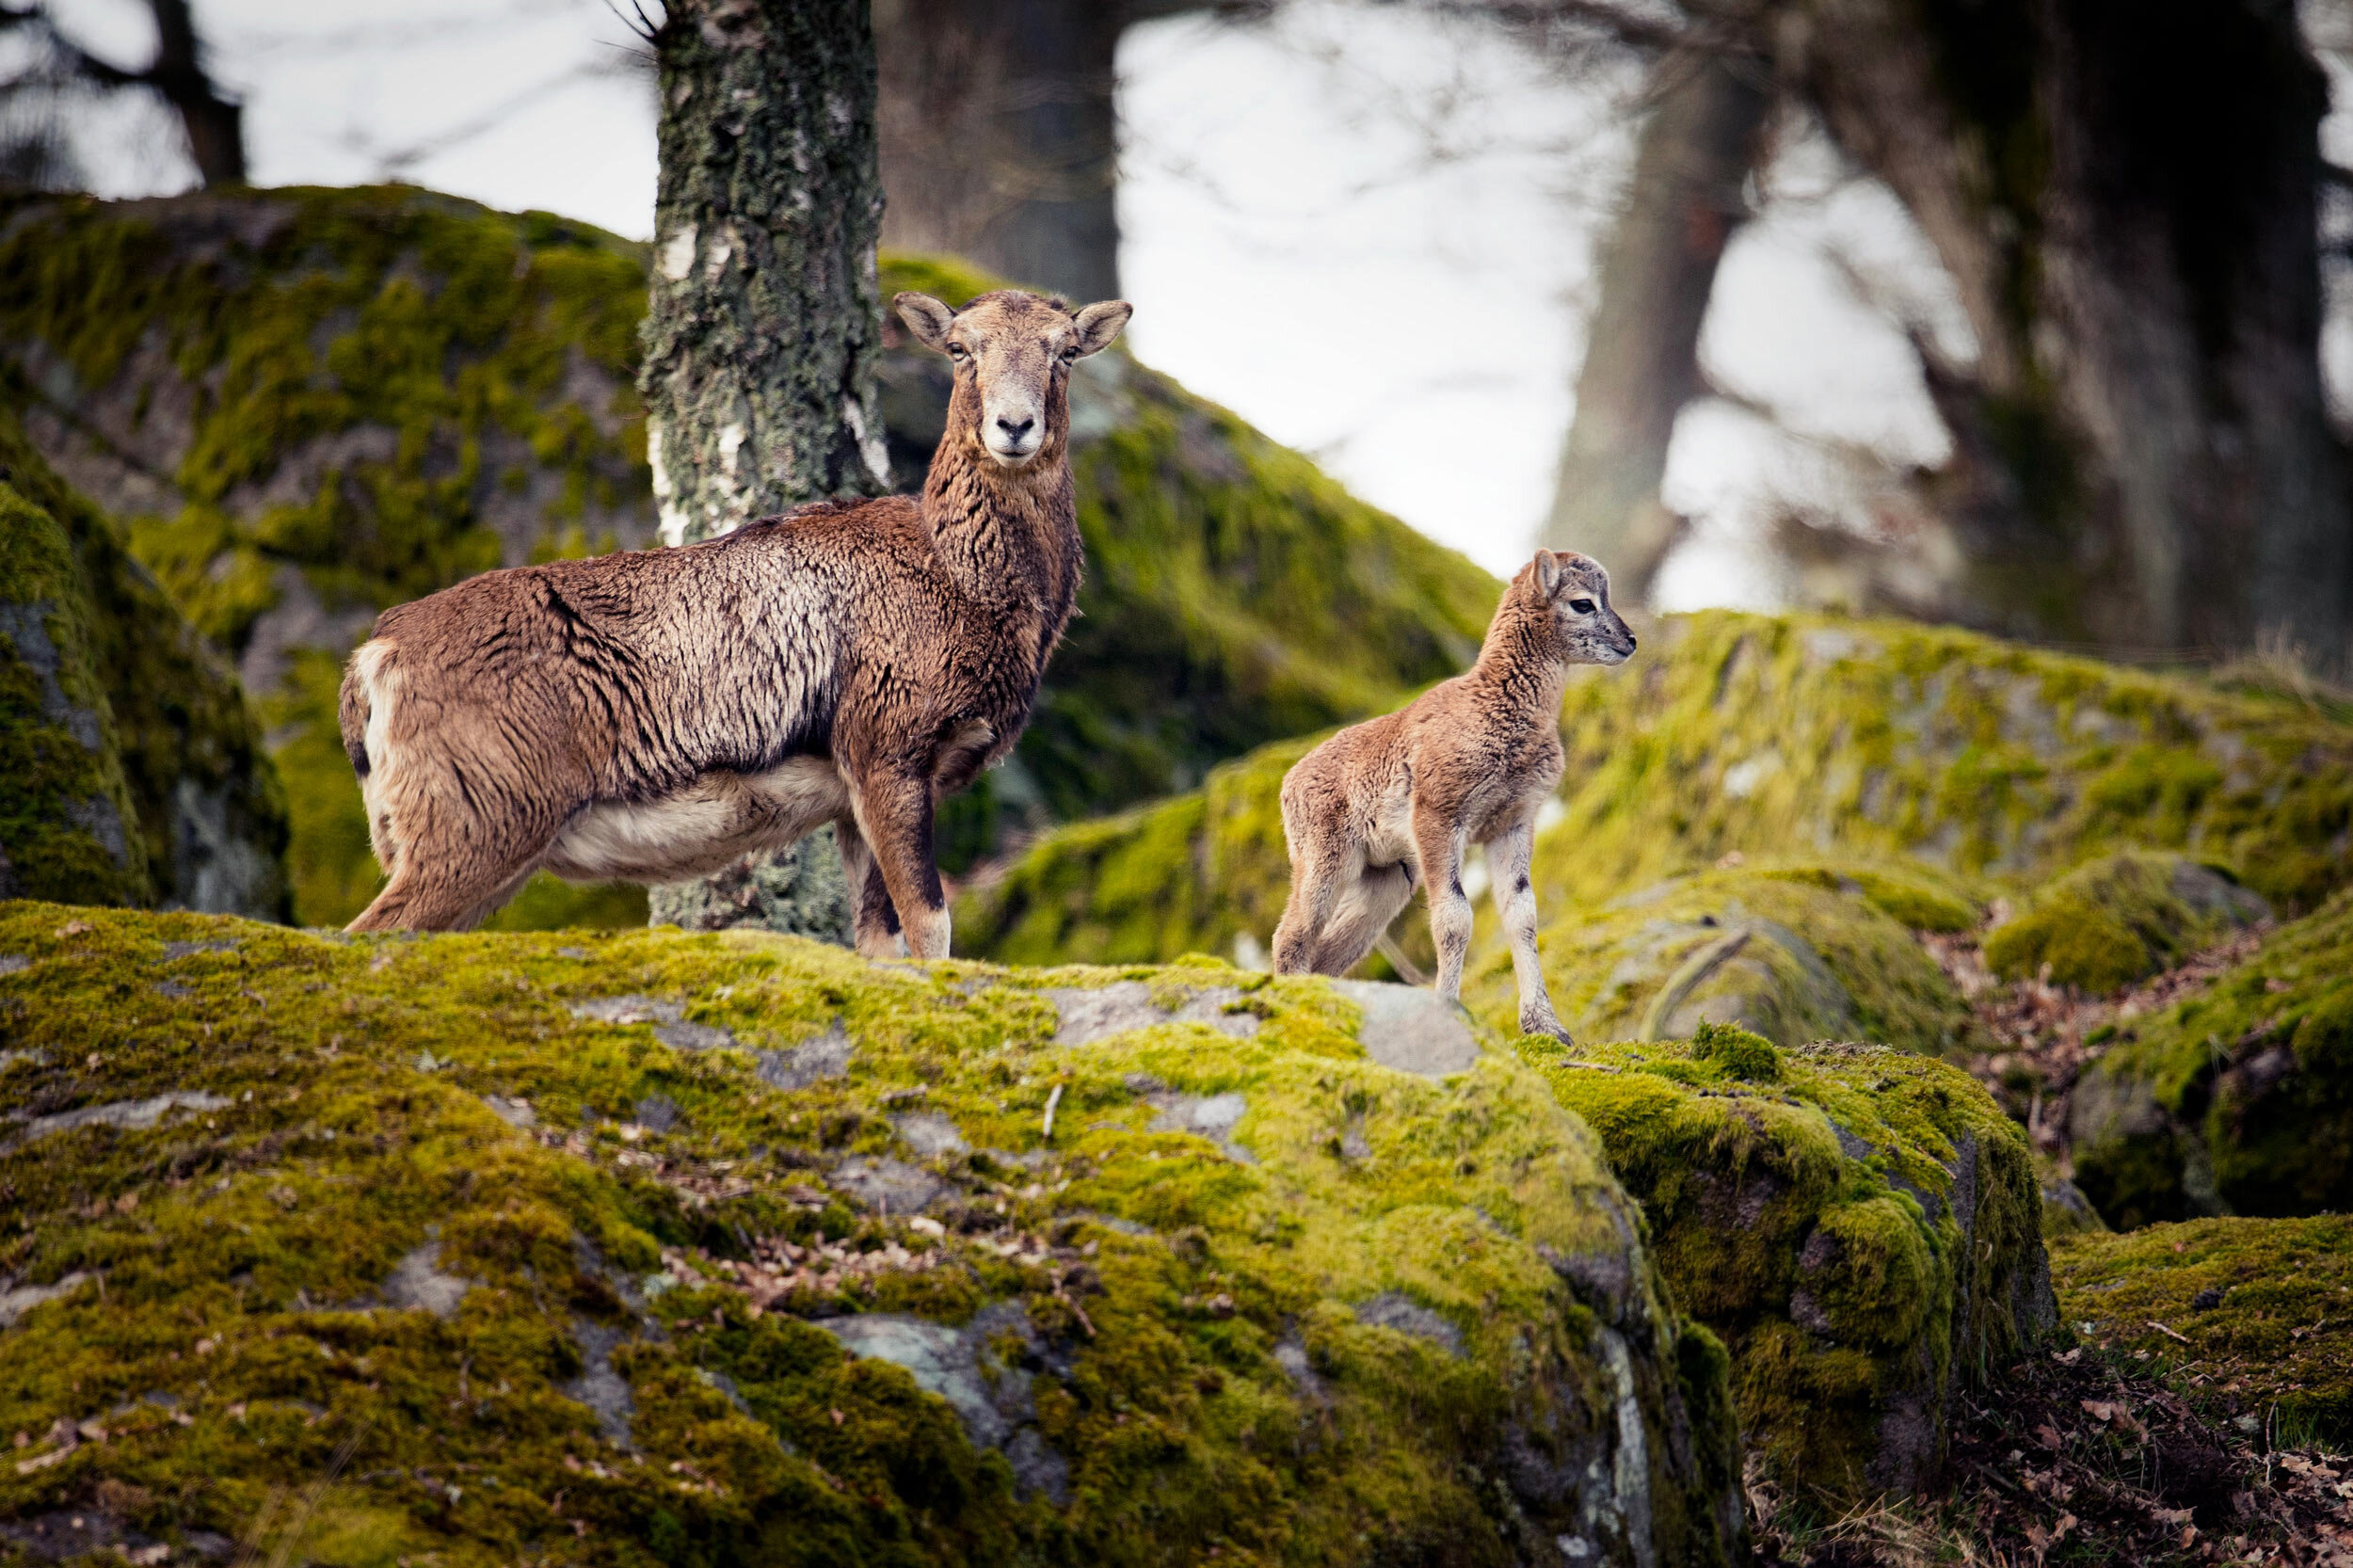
{"x":759,"y":373}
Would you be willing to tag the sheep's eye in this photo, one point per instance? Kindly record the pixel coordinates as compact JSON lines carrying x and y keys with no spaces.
{"x":956,"y":351}
{"x":1069,"y":354}
{"x":1582,"y":606}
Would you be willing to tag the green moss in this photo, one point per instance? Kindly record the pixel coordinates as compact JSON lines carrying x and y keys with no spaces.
{"x":2236,"y":1098}
{"x":201,"y":813}
{"x":2116,"y":920}
{"x":1781,"y":951}
{"x":65,"y":811}
{"x":1858,"y":1226}
{"x":2257,"y":1310}
{"x":1240,"y":1358}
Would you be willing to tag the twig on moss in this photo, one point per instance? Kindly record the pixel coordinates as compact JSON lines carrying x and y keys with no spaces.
{"x":1051,"y":1102}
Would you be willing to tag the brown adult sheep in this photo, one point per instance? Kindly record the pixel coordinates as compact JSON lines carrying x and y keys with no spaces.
{"x":650,"y":716}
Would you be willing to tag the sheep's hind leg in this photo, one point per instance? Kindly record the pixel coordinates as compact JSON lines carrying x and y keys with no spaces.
{"x":1365,"y":908}
{"x":873,"y":923}
{"x":423,"y":897}
{"x":1507,"y":858}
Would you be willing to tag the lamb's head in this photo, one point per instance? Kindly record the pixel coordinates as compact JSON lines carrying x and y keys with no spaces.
{"x":1013,"y":354}
{"x":1576,"y":591}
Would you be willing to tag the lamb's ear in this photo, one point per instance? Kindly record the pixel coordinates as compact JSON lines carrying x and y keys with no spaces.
{"x":926,"y":317}
{"x":1547,"y":573}
{"x":1099,"y":323}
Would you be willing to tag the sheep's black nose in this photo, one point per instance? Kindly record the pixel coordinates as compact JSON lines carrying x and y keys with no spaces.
{"x":1015,"y":428}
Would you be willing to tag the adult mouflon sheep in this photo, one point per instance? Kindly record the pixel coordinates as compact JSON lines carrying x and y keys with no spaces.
{"x":1396,"y":799}
{"x":652,"y":715}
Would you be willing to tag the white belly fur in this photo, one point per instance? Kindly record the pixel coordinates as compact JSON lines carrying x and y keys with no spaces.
{"x":702,"y":828}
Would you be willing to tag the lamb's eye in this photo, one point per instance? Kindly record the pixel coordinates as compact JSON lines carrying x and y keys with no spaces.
{"x":956,"y":351}
{"x":1582,"y":606}
{"x":1069,"y":354}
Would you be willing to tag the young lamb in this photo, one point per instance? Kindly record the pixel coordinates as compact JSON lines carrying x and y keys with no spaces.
{"x":652,"y":715}
{"x":1397,"y":799}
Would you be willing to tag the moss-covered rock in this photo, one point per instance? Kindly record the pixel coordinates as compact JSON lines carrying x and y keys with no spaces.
{"x":315,"y":404}
{"x":645,"y":1247}
{"x":2236,"y":1099}
{"x":130,"y":768}
{"x":1927,"y":768}
{"x":1860,"y":1227}
{"x":1795,"y":952}
{"x":2251,"y":1318}
{"x":65,"y":812}
{"x":1188,"y":874}
{"x":2120,"y":919}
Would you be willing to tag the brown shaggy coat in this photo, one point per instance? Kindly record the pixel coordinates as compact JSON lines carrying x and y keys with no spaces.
{"x":1395,"y":800}
{"x":650,"y":716}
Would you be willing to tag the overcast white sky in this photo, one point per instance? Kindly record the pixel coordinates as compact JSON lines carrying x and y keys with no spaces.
{"x":1367,"y":231}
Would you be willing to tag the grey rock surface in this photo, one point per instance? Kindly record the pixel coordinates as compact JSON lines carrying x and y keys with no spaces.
{"x":1408,"y":1028}
{"x":1088,"y":1013}
{"x":964,"y":1367}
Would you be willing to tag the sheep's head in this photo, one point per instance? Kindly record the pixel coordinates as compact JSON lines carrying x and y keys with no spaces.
{"x":1013,"y":354}
{"x":1575,"y":590}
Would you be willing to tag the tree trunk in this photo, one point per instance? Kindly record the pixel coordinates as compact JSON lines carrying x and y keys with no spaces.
{"x":2126,"y":196}
{"x":758,"y":372}
{"x":1657,"y":270}
{"x":1000,"y":137}
{"x":215,"y":125}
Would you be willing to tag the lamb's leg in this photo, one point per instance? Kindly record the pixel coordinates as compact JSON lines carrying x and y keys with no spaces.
{"x":873,"y":923}
{"x":894,"y":813}
{"x":1508,"y":856}
{"x":1365,"y":908}
{"x":1439,"y":838}
{"x":1319,"y":875}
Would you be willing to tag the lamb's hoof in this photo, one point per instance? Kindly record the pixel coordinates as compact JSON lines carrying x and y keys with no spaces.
{"x":1549,"y":1027}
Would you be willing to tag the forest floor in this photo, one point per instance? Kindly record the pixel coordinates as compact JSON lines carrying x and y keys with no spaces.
{"x":2085,"y":1454}
{"x":2083,"y":1457}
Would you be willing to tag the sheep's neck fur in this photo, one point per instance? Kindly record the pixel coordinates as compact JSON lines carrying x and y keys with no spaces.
{"x":1522,"y":661}
{"x":1008,"y":537}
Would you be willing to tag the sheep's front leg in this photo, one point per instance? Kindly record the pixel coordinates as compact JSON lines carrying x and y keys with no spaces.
{"x":894,"y":816}
{"x":1508,"y":858}
{"x":1439,"y":840}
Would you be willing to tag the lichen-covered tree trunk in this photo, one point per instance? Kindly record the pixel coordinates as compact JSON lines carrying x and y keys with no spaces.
{"x":2126,"y":199}
{"x":1641,"y":361}
{"x":758,"y":375}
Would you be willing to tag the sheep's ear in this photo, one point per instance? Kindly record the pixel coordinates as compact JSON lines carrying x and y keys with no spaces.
{"x":1547,"y":573}
{"x":1099,"y":323}
{"x":926,"y":317}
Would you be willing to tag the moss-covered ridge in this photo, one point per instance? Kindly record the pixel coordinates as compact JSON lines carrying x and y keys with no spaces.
{"x":2237,"y":1100}
{"x":502,"y":1245}
{"x":2120,"y":919}
{"x":315,"y":403}
{"x":2247,"y":1317}
{"x":1794,"y":951}
{"x":1866,"y":745}
{"x":131,"y":769}
{"x":1861,"y":1227}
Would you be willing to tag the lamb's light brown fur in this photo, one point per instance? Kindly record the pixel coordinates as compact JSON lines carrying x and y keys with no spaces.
{"x":1395,"y":800}
{"x":650,"y":716}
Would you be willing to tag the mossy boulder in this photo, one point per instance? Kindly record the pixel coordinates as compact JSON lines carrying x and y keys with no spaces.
{"x":2120,"y":919}
{"x":1794,"y":953}
{"x":2246,"y":1317}
{"x":1977,"y":765}
{"x":1861,"y":1227}
{"x":2236,"y":1099}
{"x":130,"y":769}
{"x":310,"y":405}
{"x":649,"y":1247}
{"x":1188,"y":874}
